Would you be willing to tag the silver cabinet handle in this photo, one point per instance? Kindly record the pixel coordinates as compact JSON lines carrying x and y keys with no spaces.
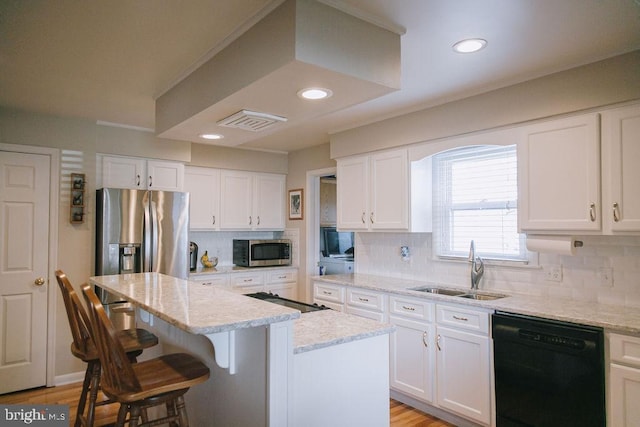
{"x":616,"y":212}
{"x":138,"y":180}
{"x":327,"y":292}
{"x":363,"y":216}
{"x":150,"y":181}
{"x":424,"y":339}
{"x":371,"y":218}
{"x":464,"y":319}
{"x":363,"y":299}
{"x":214,"y":220}
{"x":282,"y":277}
{"x":250,"y":220}
{"x":592,"y":212}
{"x":404,"y":307}
{"x":248,"y":280}
{"x":438,"y":343}
{"x":258,"y":220}
{"x":207,"y":283}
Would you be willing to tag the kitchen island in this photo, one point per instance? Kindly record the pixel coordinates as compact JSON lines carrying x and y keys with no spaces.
{"x":269,"y":365}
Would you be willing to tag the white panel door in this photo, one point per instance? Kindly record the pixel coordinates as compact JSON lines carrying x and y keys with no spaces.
{"x":236,"y":198}
{"x":353,"y":193}
{"x":165,"y":176}
{"x":559,"y":175}
{"x":123,"y":172}
{"x":203,"y":185}
{"x":389,"y":191}
{"x":24,"y":233}
{"x":620,"y":172}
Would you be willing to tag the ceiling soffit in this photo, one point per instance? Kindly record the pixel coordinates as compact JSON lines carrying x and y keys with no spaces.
{"x":302,"y":43}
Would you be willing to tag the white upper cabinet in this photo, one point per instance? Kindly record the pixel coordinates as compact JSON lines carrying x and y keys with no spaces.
{"x":559,"y":175}
{"x":620,"y":171}
{"x":374,"y":192}
{"x":137,"y":173}
{"x":204,"y":186}
{"x":252,"y":201}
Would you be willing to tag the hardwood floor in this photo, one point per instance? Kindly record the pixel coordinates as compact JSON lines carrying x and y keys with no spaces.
{"x":401,"y":415}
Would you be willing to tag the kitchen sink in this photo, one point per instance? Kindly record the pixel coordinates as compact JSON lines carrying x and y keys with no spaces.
{"x":441,"y":291}
{"x":482,"y":297}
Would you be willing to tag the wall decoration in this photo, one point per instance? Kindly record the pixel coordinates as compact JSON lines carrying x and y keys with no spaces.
{"x":76,"y":214}
{"x":296,"y":204}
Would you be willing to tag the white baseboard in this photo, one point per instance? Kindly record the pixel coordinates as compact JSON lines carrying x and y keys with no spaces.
{"x":73,"y":377}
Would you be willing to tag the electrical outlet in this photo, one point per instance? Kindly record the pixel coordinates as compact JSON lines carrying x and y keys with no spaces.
{"x":605,"y":276}
{"x":553,"y":273}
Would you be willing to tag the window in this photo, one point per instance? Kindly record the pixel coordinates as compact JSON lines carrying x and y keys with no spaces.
{"x":476,"y":198}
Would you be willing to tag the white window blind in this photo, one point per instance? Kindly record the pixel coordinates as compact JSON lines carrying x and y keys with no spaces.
{"x":476,"y":198}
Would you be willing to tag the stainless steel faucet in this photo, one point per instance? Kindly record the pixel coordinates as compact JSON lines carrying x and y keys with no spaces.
{"x":477,"y":266}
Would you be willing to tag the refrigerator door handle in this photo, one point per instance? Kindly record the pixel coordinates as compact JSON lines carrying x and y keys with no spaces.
{"x":147,"y":244}
{"x":154,"y":235}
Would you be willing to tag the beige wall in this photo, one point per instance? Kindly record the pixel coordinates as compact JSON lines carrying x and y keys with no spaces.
{"x":602,"y":83}
{"x":301,"y":162}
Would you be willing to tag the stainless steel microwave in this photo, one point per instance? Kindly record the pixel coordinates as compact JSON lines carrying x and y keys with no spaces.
{"x":261,"y":253}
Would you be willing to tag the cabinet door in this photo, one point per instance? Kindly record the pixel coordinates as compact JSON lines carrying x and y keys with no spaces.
{"x":269,"y":202}
{"x":203,"y":185}
{"x":123,"y":172}
{"x":559,"y":175}
{"x":624,"y":395}
{"x":412,"y":348}
{"x":353,"y":193}
{"x":389,"y":191}
{"x":463,"y":374}
{"x":620,"y":173}
{"x":165,"y":176}
{"x":236,"y":197}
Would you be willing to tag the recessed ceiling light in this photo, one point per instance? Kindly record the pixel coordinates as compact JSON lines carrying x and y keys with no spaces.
{"x":314,"y":93}
{"x":211,"y":136}
{"x":469,"y":45}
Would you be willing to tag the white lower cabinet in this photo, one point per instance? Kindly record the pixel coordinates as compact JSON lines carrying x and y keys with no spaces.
{"x":329,"y":295}
{"x":219,"y":280}
{"x":624,"y":381}
{"x":412,"y":347}
{"x":364,"y":303}
{"x":283,"y":283}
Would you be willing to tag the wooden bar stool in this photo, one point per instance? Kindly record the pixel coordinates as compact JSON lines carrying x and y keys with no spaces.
{"x":138,"y":386}
{"x":83,"y":347}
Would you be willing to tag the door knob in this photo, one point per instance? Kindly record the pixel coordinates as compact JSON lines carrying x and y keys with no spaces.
{"x":39,"y":281}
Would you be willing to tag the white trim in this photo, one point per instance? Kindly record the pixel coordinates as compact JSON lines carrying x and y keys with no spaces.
{"x":54,"y":199}
{"x":312,"y":202}
{"x":74,"y":377}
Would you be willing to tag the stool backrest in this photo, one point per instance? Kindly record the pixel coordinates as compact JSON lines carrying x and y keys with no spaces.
{"x":78,"y":318}
{"x":117,"y":374}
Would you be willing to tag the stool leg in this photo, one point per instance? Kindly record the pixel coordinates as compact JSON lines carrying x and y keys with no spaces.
{"x":83,"y":394}
{"x":182,"y":411}
{"x":134,"y":415}
{"x":122,"y":415}
{"x":171,"y":412}
{"x":93,"y":392}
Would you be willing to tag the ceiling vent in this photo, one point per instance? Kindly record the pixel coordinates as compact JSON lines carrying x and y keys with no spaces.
{"x":251,"y":121}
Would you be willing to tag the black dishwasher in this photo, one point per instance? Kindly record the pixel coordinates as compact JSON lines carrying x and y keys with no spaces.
{"x":547,"y":373}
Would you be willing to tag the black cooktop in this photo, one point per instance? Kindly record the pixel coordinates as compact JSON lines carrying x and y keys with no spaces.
{"x":274,"y":298}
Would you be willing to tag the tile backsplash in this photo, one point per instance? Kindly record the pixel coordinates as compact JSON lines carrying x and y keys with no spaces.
{"x":606,"y":269}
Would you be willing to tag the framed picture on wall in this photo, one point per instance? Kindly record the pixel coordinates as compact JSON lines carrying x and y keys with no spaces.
{"x":296,"y":207}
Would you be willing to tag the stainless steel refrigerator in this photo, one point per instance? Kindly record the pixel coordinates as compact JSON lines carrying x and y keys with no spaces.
{"x":139,"y":231}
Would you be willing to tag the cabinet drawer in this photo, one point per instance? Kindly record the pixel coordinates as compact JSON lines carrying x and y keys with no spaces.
{"x":463,"y":318}
{"x":247,"y":279}
{"x":365,"y":299}
{"x":411,"y":308}
{"x":367,"y":314}
{"x":624,"y":349}
{"x":328,"y":292}
{"x":214,"y":280}
{"x":282,"y":276}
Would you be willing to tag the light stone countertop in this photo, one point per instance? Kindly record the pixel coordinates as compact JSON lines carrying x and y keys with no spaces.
{"x":610,"y":317}
{"x":224,"y":269}
{"x":191,"y":306}
{"x":200,"y":309}
{"x":326,"y":328}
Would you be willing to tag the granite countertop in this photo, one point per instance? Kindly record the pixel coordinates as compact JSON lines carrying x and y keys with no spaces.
{"x":192,"y":307}
{"x":611,"y":317}
{"x":200,"y":309}
{"x":326,"y":328}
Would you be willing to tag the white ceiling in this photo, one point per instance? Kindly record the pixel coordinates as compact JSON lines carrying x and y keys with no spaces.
{"x":109,"y":60}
